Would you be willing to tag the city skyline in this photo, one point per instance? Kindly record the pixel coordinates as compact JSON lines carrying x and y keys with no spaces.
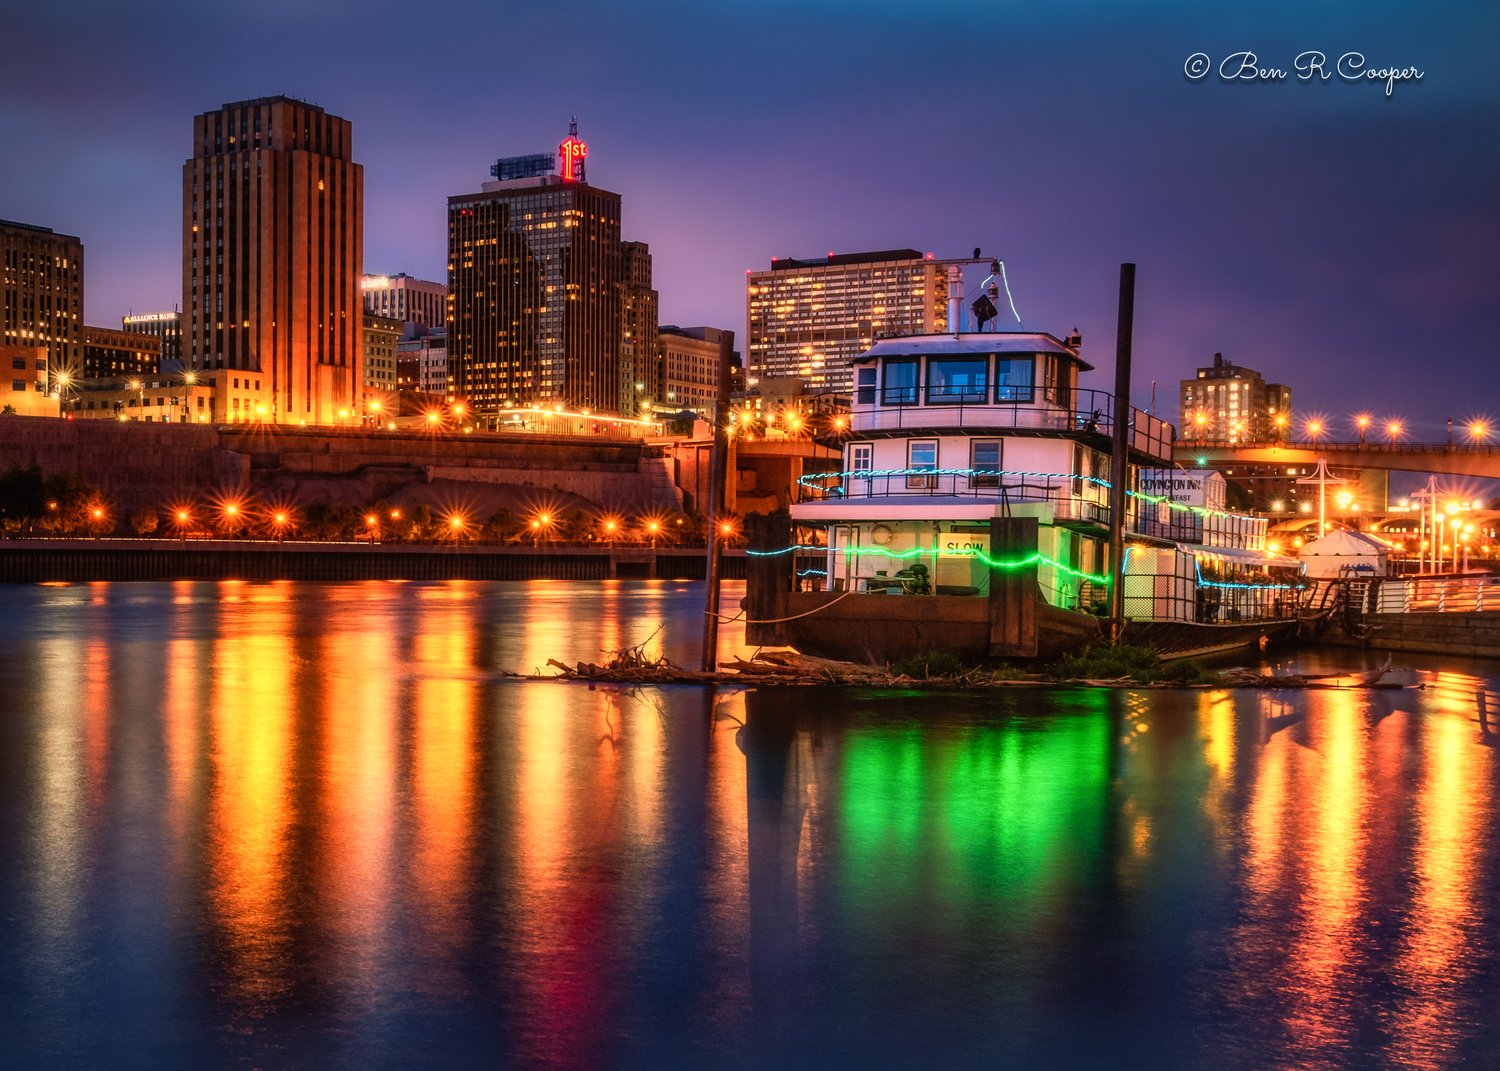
{"x":1314,"y":230}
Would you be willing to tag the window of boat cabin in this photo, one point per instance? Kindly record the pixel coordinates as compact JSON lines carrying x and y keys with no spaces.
{"x":1089,"y":463}
{"x":864,"y":382}
{"x":984,"y":462}
{"x":1059,"y":382}
{"x":900,"y":381}
{"x":1014,"y":378}
{"x":921,"y":456}
{"x":958,"y":380}
{"x":861,"y":461}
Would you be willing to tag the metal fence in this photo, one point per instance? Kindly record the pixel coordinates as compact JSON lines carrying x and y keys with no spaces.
{"x":1438,"y":594}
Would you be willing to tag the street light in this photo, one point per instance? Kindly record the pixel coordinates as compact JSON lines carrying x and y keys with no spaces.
{"x":1362,"y":422}
{"x":1314,"y":429}
{"x":1478,"y":430}
{"x":1393,"y":430}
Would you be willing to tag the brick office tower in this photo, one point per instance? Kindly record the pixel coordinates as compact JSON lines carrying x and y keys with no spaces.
{"x":272,"y":252}
{"x":536,"y":280}
{"x":41,"y":296}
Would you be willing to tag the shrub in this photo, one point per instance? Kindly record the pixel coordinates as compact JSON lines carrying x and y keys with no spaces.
{"x":1110,"y":663}
{"x":931,"y":664}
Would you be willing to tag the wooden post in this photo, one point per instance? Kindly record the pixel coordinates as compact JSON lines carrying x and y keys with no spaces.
{"x":1119,"y":469}
{"x":1013,"y":592}
{"x":717,"y":467}
{"x":768,"y":576}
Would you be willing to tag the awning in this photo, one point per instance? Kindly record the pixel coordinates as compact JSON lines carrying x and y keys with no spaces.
{"x":1241,"y":556}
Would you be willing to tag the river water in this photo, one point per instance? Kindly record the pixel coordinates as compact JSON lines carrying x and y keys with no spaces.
{"x":309,"y":825}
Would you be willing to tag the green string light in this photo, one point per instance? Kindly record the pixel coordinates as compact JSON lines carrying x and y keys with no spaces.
{"x":967,"y":552}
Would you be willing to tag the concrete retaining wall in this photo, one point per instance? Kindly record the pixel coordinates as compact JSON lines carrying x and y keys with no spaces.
{"x":1470,"y":633}
{"x":149,"y":466}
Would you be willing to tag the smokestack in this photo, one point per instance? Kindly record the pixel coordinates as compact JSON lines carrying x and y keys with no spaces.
{"x":955,"y":296}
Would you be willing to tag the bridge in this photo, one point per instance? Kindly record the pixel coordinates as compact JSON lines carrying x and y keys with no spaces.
{"x":1481,"y":460}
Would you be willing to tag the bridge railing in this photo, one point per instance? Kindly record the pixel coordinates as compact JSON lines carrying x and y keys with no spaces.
{"x":1483,"y":449}
{"x":1439,"y":594}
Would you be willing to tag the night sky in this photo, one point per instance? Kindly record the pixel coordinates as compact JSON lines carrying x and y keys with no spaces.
{"x":1339,"y":240}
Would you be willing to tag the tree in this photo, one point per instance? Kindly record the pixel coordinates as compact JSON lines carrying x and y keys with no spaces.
{"x":575,"y":526}
{"x":23,"y":498}
{"x":144,"y":521}
{"x":502,"y":527}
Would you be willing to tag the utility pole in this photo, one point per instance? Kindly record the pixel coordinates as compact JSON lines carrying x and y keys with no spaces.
{"x":718,"y":462}
{"x":1118,"y":467}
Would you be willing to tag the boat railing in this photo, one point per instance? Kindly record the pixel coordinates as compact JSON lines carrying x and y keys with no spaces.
{"x":1082,"y":411}
{"x":1458,"y":593}
{"x":1210,"y":530}
{"x":1072,"y":498}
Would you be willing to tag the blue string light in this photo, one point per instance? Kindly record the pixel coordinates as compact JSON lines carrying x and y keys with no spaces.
{"x":1237,"y":587}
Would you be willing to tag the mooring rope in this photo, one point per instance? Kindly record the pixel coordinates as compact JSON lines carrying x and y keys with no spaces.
{"x":780,"y":620}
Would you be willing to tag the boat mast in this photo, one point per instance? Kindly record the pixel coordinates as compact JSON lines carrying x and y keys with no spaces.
{"x":1118,"y":452}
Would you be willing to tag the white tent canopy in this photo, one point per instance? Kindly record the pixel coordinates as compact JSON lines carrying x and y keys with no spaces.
{"x":1344,"y":553}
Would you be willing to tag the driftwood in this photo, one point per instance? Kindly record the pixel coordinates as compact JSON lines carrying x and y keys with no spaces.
{"x":631,"y":665}
{"x":1249,"y":678}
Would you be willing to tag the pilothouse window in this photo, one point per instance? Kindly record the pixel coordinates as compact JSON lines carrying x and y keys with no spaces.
{"x":1014,"y":378}
{"x":900,"y":382}
{"x":957,"y":380}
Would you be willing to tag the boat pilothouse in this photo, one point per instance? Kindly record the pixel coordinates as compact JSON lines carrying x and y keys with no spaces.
{"x":948,"y":432}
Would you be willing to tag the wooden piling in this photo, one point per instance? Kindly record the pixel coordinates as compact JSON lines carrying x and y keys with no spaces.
{"x":1013,"y":592}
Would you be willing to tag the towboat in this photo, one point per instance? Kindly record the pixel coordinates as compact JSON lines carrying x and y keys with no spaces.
{"x":971,"y":512}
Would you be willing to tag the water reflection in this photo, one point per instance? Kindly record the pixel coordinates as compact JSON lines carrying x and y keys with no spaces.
{"x":359,"y":844}
{"x":251,"y":799}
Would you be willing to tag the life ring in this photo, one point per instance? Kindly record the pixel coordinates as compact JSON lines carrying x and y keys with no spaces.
{"x":880,"y":535}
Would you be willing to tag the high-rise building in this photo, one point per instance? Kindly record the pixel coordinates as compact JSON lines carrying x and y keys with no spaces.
{"x":810,"y":318}
{"x":107,"y":352}
{"x":401,"y":297}
{"x":380,"y":336}
{"x":422,"y":360}
{"x":691,"y":357}
{"x":41,"y":294}
{"x":1230,"y":403}
{"x":166,"y":329}
{"x":640,"y":352}
{"x":272,"y":245}
{"x":536,"y":275}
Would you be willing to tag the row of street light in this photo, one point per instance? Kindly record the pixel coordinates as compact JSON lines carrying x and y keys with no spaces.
{"x":1478,"y":429}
